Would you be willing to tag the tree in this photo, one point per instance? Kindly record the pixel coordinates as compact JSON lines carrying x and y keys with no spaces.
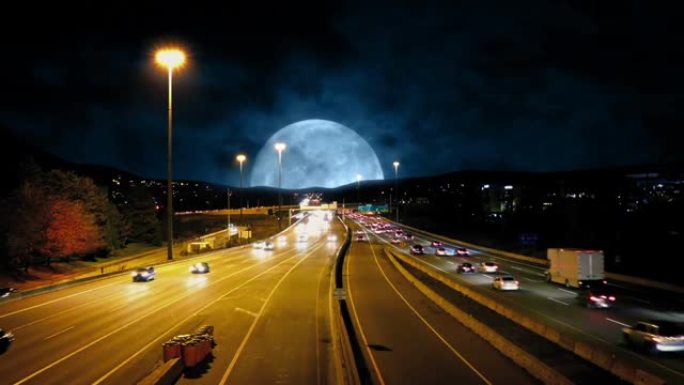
{"x":71,"y":231}
{"x":27,"y":225}
{"x":140,"y":211}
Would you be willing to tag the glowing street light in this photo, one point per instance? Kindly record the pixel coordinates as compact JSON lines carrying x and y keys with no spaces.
{"x":280,"y":147}
{"x":241,"y":158}
{"x":396,"y":188}
{"x":170,"y":58}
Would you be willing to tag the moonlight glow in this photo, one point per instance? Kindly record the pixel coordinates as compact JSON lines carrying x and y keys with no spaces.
{"x":319,"y":153}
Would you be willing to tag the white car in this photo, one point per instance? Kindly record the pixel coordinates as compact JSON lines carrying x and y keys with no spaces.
{"x":440,"y":251}
{"x":395,"y":241}
{"x":269,"y":246}
{"x":655,"y":336}
{"x":489,"y":267}
{"x":301,"y":238}
{"x":506,"y":282}
{"x":259,"y":245}
{"x":332,"y":238}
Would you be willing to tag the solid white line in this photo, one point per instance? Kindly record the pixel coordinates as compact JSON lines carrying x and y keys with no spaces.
{"x":261,"y":312}
{"x":568,"y":291}
{"x":241,"y":310}
{"x":58,"y":333}
{"x":488,"y":276}
{"x":168,"y":303}
{"x":378,"y":374}
{"x":617,"y":322}
{"x":231,"y":291}
{"x":55,"y":300}
{"x":555,"y":300}
{"x":436,"y":333}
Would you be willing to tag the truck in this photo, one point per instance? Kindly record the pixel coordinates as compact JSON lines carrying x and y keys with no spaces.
{"x":575,"y":267}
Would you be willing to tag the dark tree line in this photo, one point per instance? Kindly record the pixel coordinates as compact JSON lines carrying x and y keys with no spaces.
{"x":59,"y":215}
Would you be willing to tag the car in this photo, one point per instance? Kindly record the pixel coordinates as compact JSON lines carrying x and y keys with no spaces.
{"x":408,"y":236}
{"x":282,"y":240}
{"x":144,"y":274}
{"x":489,"y":267}
{"x":360,"y":238}
{"x":302,"y":238}
{"x":332,"y":238}
{"x":395,"y":240}
{"x":506,"y":282}
{"x":655,"y":336}
{"x":465,"y":268}
{"x":598,"y":299}
{"x":199,"y":268}
{"x":417,"y":250}
{"x":440,"y":251}
{"x":6,"y":291}
{"x":436,"y":244}
{"x":269,"y":246}
{"x":462,"y":252}
{"x":6,"y":338}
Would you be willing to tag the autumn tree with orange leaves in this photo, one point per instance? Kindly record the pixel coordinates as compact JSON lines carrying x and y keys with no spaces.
{"x":71,"y":231}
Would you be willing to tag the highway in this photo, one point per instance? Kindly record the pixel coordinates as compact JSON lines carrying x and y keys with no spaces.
{"x":269,"y":310}
{"x":407,"y":339}
{"x":562,"y":308}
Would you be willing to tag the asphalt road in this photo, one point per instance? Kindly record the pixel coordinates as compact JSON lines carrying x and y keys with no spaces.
{"x":407,"y":338}
{"x":563,"y":308}
{"x":268,"y":308}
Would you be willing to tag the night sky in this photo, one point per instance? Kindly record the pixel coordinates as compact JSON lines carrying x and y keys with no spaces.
{"x":504,"y":85}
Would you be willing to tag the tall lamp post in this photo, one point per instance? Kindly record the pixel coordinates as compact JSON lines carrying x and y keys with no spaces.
{"x":280,"y":147}
{"x":396,"y":189}
{"x":170,"y":58}
{"x":241,"y":159}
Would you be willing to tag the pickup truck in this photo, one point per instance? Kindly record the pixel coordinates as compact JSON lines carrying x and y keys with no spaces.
{"x":655,"y":336}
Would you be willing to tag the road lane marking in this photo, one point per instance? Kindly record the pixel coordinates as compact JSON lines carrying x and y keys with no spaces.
{"x":58,"y":333}
{"x":241,"y":310}
{"x":436,"y":333}
{"x":488,"y":276}
{"x":261,"y":312}
{"x":617,"y":322}
{"x":559,"y":301}
{"x":532,"y":280}
{"x":55,"y":300}
{"x":124,"y":326}
{"x":642,"y":300}
{"x":568,"y":291}
{"x":378,"y":373}
{"x":231,"y":291}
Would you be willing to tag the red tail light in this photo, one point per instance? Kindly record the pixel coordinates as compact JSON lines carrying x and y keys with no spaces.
{"x":611,"y":298}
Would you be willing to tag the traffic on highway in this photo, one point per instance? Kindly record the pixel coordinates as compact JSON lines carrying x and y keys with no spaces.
{"x":643,"y":325}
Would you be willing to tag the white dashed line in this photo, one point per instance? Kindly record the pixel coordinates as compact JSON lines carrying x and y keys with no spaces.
{"x":617,"y":322}
{"x":58,"y":333}
{"x":560,"y":302}
{"x":568,"y":291}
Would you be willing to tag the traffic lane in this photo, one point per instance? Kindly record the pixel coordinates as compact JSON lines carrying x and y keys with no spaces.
{"x":291,"y":340}
{"x":91,"y":328}
{"x":92,"y":291}
{"x":411,"y":347}
{"x":592,"y":325}
{"x":97,"y":357}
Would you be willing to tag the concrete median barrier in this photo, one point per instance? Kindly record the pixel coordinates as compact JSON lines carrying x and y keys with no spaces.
{"x":591,"y":352}
{"x":533,"y":365}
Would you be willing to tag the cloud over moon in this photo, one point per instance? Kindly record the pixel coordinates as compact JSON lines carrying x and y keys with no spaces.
{"x":320,"y":153}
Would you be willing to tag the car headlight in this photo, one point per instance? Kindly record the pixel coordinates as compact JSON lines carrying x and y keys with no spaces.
{"x":133,"y":274}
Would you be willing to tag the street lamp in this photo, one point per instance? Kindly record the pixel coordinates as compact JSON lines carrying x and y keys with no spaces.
{"x":396,"y":189}
{"x":170,"y":58}
{"x":280,"y":147}
{"x":241,"y":159}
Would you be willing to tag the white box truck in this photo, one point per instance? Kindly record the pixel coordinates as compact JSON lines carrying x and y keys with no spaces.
{"x":575,"y":267}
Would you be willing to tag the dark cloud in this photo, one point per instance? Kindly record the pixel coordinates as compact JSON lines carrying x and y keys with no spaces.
{"x":535,"y":85}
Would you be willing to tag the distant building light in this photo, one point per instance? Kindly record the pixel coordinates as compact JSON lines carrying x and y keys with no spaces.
{"x":508,"y":187}
{"x":659,"y":185}
{"x":485,"y":186}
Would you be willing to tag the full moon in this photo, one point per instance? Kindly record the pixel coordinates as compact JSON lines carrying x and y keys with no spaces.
{"x":319,"y":153}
